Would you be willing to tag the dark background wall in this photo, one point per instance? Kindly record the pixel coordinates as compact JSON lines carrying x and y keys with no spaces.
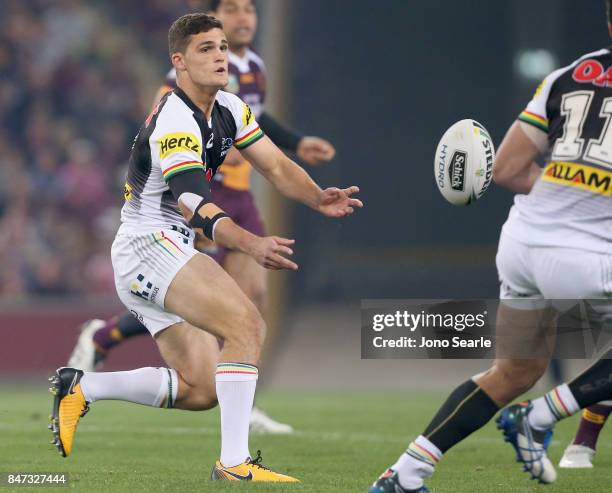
{"x":384,"y":80}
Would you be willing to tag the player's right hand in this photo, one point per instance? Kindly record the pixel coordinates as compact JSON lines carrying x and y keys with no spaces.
{"x":271,"y":252}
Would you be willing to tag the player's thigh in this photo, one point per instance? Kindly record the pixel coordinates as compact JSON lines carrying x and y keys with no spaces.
{"x":204,"y":295}
{"x":523,"y":331}
{"x":514,"y":269}
{"x":572,"y":274}
{"x":249,"y":275}
{"x":192,"y":352}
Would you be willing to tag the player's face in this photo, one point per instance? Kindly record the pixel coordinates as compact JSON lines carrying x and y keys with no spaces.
{"x":205,"y":59}
{"x":239,"y":19}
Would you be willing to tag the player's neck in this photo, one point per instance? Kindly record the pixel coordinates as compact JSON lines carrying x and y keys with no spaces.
{"x":203,"y":97}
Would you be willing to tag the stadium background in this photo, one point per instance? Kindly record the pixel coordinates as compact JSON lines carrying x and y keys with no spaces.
{"x":381,"y":80}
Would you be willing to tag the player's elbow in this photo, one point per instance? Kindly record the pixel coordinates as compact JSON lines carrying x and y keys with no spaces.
{"x":275,"y":172}
{"x":502,"y":173}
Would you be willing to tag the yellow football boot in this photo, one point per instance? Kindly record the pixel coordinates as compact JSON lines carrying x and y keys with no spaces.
{"x":251,"y":470}
{"x":69,"y":406}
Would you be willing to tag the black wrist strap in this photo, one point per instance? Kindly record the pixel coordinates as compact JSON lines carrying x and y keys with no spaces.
{"x":207,"y":224}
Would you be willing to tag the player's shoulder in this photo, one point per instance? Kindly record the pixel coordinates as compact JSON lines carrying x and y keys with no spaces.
{"x":230,"y":101}
{"x":239,"y":110}
{"x":173,"y":112}
{"x":568,"y":70}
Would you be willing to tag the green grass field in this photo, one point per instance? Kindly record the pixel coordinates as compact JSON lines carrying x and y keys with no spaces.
{"x":343,"y":442}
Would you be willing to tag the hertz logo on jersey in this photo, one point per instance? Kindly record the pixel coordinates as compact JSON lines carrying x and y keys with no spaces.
{"x":176,"y":142}
{"x":247,"y":115}
{"x":588,"y":178}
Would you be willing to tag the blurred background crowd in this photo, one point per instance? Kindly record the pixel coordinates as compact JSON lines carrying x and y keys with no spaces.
{"x":76,"y":81}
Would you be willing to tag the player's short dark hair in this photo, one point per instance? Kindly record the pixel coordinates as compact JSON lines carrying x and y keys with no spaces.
{"x":186,"y":26}
{"x":215,"y":4}
{"x":610,"y":11}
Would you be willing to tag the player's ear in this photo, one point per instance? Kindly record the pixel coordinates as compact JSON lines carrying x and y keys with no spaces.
{"x":610,"y":28}
{"x":178,"y":61}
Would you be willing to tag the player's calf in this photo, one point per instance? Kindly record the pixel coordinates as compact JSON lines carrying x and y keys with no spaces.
{"x":200,"y":397}
{"x":580,"y":453}
{"x":508,"y":379}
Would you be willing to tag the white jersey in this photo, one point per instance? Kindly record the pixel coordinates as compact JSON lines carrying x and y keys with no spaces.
{"x":571,"y":204}
{"x":177,"y":138}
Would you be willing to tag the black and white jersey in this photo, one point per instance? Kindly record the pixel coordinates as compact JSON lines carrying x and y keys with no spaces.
{"x":176,"y":138}
{"x":571,"y":204}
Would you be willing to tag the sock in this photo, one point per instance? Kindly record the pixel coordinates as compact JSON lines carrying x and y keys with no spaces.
{"x":147,"y":386}
{"x":117,"y":329}
{"x":466,"y":410}
{"x":558,"y":404}
{"x":417,"y":463}
{"x":592,"y":422}
{"x":236,"y":384}
{"x":595,"y":384}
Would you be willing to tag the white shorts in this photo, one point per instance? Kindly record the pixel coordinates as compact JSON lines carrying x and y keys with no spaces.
{"x":535,"y":275}
{"x":145,"y":263}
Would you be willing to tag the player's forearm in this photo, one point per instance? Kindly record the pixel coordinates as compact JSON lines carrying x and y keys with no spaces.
{"x":521,"y":181}
{"x":293,"y":182}
{"x":515,"y":167}
{"x":231,"y":236}
{"x":214,"y":224}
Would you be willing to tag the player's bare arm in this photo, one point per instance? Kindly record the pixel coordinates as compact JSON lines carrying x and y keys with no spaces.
{"x":293,"y":182}
{"x":267,"y":251}
{"x":515,"y":166}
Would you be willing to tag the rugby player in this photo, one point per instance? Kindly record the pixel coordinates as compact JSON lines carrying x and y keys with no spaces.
{"x":184,"y":298}
{"x":580,"y":453}
{"x":231,"y":190}
{"x":554,"y":245}
{"x":528,"y":426}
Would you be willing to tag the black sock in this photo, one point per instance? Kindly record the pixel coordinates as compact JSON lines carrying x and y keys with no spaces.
{"x":466,"y":410}
{"x":595,"y":384}
{"x":129,"y":326}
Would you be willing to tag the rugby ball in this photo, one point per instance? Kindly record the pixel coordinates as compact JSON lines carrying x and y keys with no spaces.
{"x":463,"y":164}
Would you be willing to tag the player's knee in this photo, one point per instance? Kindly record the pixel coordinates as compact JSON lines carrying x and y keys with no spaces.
{"x":205,"y":399}
{"x":199,"y":397}
{"x":523,"y":375}
{"x":256,"y":332}
{"x":251,"y":330}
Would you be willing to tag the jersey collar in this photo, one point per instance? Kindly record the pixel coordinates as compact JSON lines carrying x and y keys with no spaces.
{"x":192,"y":106}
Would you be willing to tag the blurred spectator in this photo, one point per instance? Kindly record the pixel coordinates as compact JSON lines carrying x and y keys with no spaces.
{"x":76,"y":81}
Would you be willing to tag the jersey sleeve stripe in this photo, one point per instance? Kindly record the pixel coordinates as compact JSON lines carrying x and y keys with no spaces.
{"x":180,"y":167}
{"x":535,"y":120}
{"x":249,"y":138}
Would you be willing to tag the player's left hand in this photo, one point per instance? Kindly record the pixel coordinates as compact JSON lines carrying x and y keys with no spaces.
{"x":337,"y":202}
{"x":314,"y":150}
